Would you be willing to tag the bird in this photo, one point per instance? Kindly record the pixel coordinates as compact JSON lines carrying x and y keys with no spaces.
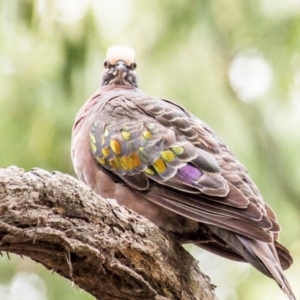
{"x":155,"y":157}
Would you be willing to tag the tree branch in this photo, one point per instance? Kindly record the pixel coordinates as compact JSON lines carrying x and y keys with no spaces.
{"x":107,"y":250}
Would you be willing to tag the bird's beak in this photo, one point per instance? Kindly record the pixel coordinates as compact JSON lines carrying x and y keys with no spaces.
{"x":120,"y":70}
{"x":121,"y":66}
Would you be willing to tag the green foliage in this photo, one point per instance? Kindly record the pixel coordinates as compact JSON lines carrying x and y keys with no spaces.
{"x":51,"y":63}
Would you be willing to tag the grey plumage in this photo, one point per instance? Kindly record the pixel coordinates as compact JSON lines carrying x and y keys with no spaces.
{"x":156,"y":158}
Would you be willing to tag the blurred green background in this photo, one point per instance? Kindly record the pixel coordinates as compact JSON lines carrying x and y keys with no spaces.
{"x":233,"y":63}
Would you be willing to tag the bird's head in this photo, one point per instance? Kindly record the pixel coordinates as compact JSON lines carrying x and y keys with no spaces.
{"x":119,"y":67}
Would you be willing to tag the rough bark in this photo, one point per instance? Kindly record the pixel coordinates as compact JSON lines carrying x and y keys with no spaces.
{"x":105,"y":249}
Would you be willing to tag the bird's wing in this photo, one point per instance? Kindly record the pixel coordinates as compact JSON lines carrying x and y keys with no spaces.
{"x":176,"y":161}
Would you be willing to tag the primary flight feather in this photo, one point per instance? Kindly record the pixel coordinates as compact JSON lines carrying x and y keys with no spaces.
{"x":158,"y":159}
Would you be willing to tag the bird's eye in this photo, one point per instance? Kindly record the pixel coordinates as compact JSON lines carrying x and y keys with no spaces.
{"x":105,"y":64}
{"x":133,"y":65}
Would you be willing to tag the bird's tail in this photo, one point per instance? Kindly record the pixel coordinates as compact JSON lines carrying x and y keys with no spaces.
{"x":263,"y":256}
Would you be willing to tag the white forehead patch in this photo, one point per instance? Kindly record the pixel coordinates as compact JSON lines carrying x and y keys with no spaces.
{"x":116,"y":53}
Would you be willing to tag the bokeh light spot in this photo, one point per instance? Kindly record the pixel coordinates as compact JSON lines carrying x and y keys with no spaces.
{"x":250,"y":75}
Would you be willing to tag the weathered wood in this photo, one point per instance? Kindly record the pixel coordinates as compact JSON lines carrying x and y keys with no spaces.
{"x":107,"y":250}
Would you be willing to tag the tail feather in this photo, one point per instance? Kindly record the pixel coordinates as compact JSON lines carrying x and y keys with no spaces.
{"x":284,"y":256}
{"x":263,"y":256}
